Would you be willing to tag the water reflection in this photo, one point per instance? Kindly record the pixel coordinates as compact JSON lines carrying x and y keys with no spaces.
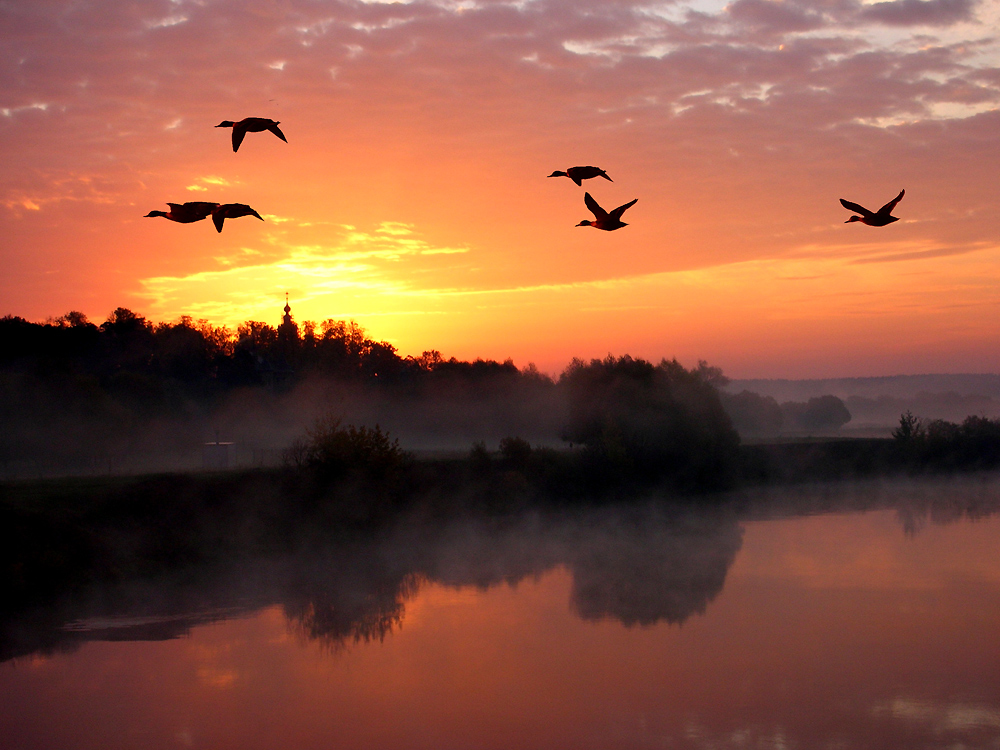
{"x":638,"y":564}
{"x":803,"y":626}
{"x":644,"y":572}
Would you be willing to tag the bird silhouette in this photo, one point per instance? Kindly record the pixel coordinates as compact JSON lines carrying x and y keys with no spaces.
{"x":186,"y":213}
{"x":250,"y":125}
{"x":579,"y":174}
{"x":602,"y":219}
{"x":877,"y":219}
{"x":232,"y":211}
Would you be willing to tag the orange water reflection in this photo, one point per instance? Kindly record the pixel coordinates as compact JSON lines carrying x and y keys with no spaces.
{"x":837,"y":630}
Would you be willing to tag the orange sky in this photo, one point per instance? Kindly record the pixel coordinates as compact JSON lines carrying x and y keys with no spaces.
{"x":411,"y":195}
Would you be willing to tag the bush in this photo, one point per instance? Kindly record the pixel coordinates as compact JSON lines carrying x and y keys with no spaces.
{"x":332,"y":450}
{"x":515,"y":452}
{"x":941,"y":445}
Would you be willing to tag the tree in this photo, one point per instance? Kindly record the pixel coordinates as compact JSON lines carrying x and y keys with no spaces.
{"x":819,"y":413}
{"x":753,"y":414}
{"x":657,"y":420}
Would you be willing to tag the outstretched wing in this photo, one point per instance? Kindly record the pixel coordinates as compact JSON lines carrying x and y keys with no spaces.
{"x":855,"y":208}
{"x":598,"y":212}
{"x":887,"y":208}
{"x":617,"y":213}
{"x":273,"y":127}
{"x":237,"y":210}
{"x":239,"y":133}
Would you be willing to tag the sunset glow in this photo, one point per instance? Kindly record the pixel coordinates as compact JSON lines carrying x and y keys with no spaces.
{"x":412,"y":193}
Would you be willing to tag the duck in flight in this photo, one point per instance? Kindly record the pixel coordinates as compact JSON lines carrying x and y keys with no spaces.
{"x":602,"y":219}
{"x":232,"y":211}
{"x":877,"y":219}
{"x":186,"y":213}
{"x":579,"y":174}
{"x":250,"y":125}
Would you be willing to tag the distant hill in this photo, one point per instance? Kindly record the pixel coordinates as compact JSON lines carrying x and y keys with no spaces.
{"x":896,"y":386}
{"x":876,"y":403}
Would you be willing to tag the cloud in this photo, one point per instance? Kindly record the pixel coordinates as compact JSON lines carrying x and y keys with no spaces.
{"x":737,"y":124}
{"x":360,"y":262}
{"x":773,"y":16}
{"x":942,"y":251}
{"x":919,"y":12}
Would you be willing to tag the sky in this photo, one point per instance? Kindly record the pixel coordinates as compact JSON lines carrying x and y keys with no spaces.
{"x":412,"y":194}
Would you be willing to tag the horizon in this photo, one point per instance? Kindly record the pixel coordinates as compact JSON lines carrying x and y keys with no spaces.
{"x":411,"y":195}
{"x":554,"y":374}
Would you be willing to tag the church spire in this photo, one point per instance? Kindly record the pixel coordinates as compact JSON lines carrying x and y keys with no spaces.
{"x":286,"y":320}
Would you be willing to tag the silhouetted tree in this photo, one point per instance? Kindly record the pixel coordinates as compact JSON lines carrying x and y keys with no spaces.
{"x":515,"y":452}
{"x":753,"y":414}
{"x":659,"y":420}
{"x":910,"y":428}
{"x":332,"y":449}
{"x":819,"y":413}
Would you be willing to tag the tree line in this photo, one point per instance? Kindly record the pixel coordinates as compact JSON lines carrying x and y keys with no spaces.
{"x":206,"y":357}
{"x":128,"y":385}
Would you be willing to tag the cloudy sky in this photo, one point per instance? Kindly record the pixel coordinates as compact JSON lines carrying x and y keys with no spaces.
{"x":412,"y":193}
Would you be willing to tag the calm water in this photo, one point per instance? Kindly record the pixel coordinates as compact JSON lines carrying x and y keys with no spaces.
{"x":840,"y":617}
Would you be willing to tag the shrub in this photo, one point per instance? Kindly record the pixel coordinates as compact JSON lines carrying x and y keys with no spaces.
{"x":515,"y":452}
{"x":332,"y":449}
{"x":479,"y":458}
{"x":941,"y":445}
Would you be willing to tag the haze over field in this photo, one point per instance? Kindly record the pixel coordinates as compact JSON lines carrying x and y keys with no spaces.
{"x":411,"y":195}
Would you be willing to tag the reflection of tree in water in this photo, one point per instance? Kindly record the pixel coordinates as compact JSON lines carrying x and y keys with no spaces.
{"x":918,"y":507}
{"x":336,"y":616}
{"x":638,"y":564}
{"x":654,"y":572}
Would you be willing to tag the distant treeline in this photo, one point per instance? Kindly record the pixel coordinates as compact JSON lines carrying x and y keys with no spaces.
{"x":204,"y":359}
{"x":877,"y":402}
{"x":90,"y":396}
{"x":100,"y":397}
{"x":131,"y":395}
{"x":757,"y":415}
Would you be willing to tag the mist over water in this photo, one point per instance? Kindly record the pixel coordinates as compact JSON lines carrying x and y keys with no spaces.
{"x":651,"y":561}
{"x":817,"y":614}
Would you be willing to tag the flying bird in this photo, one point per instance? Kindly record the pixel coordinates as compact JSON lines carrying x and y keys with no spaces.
{"x":250,"y":125}
{"x":232,"y":211}
{"x":579,"y":174}
{"x":602,"y":219}
{"x":186,"y":213}
{"x":877,"y":219}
